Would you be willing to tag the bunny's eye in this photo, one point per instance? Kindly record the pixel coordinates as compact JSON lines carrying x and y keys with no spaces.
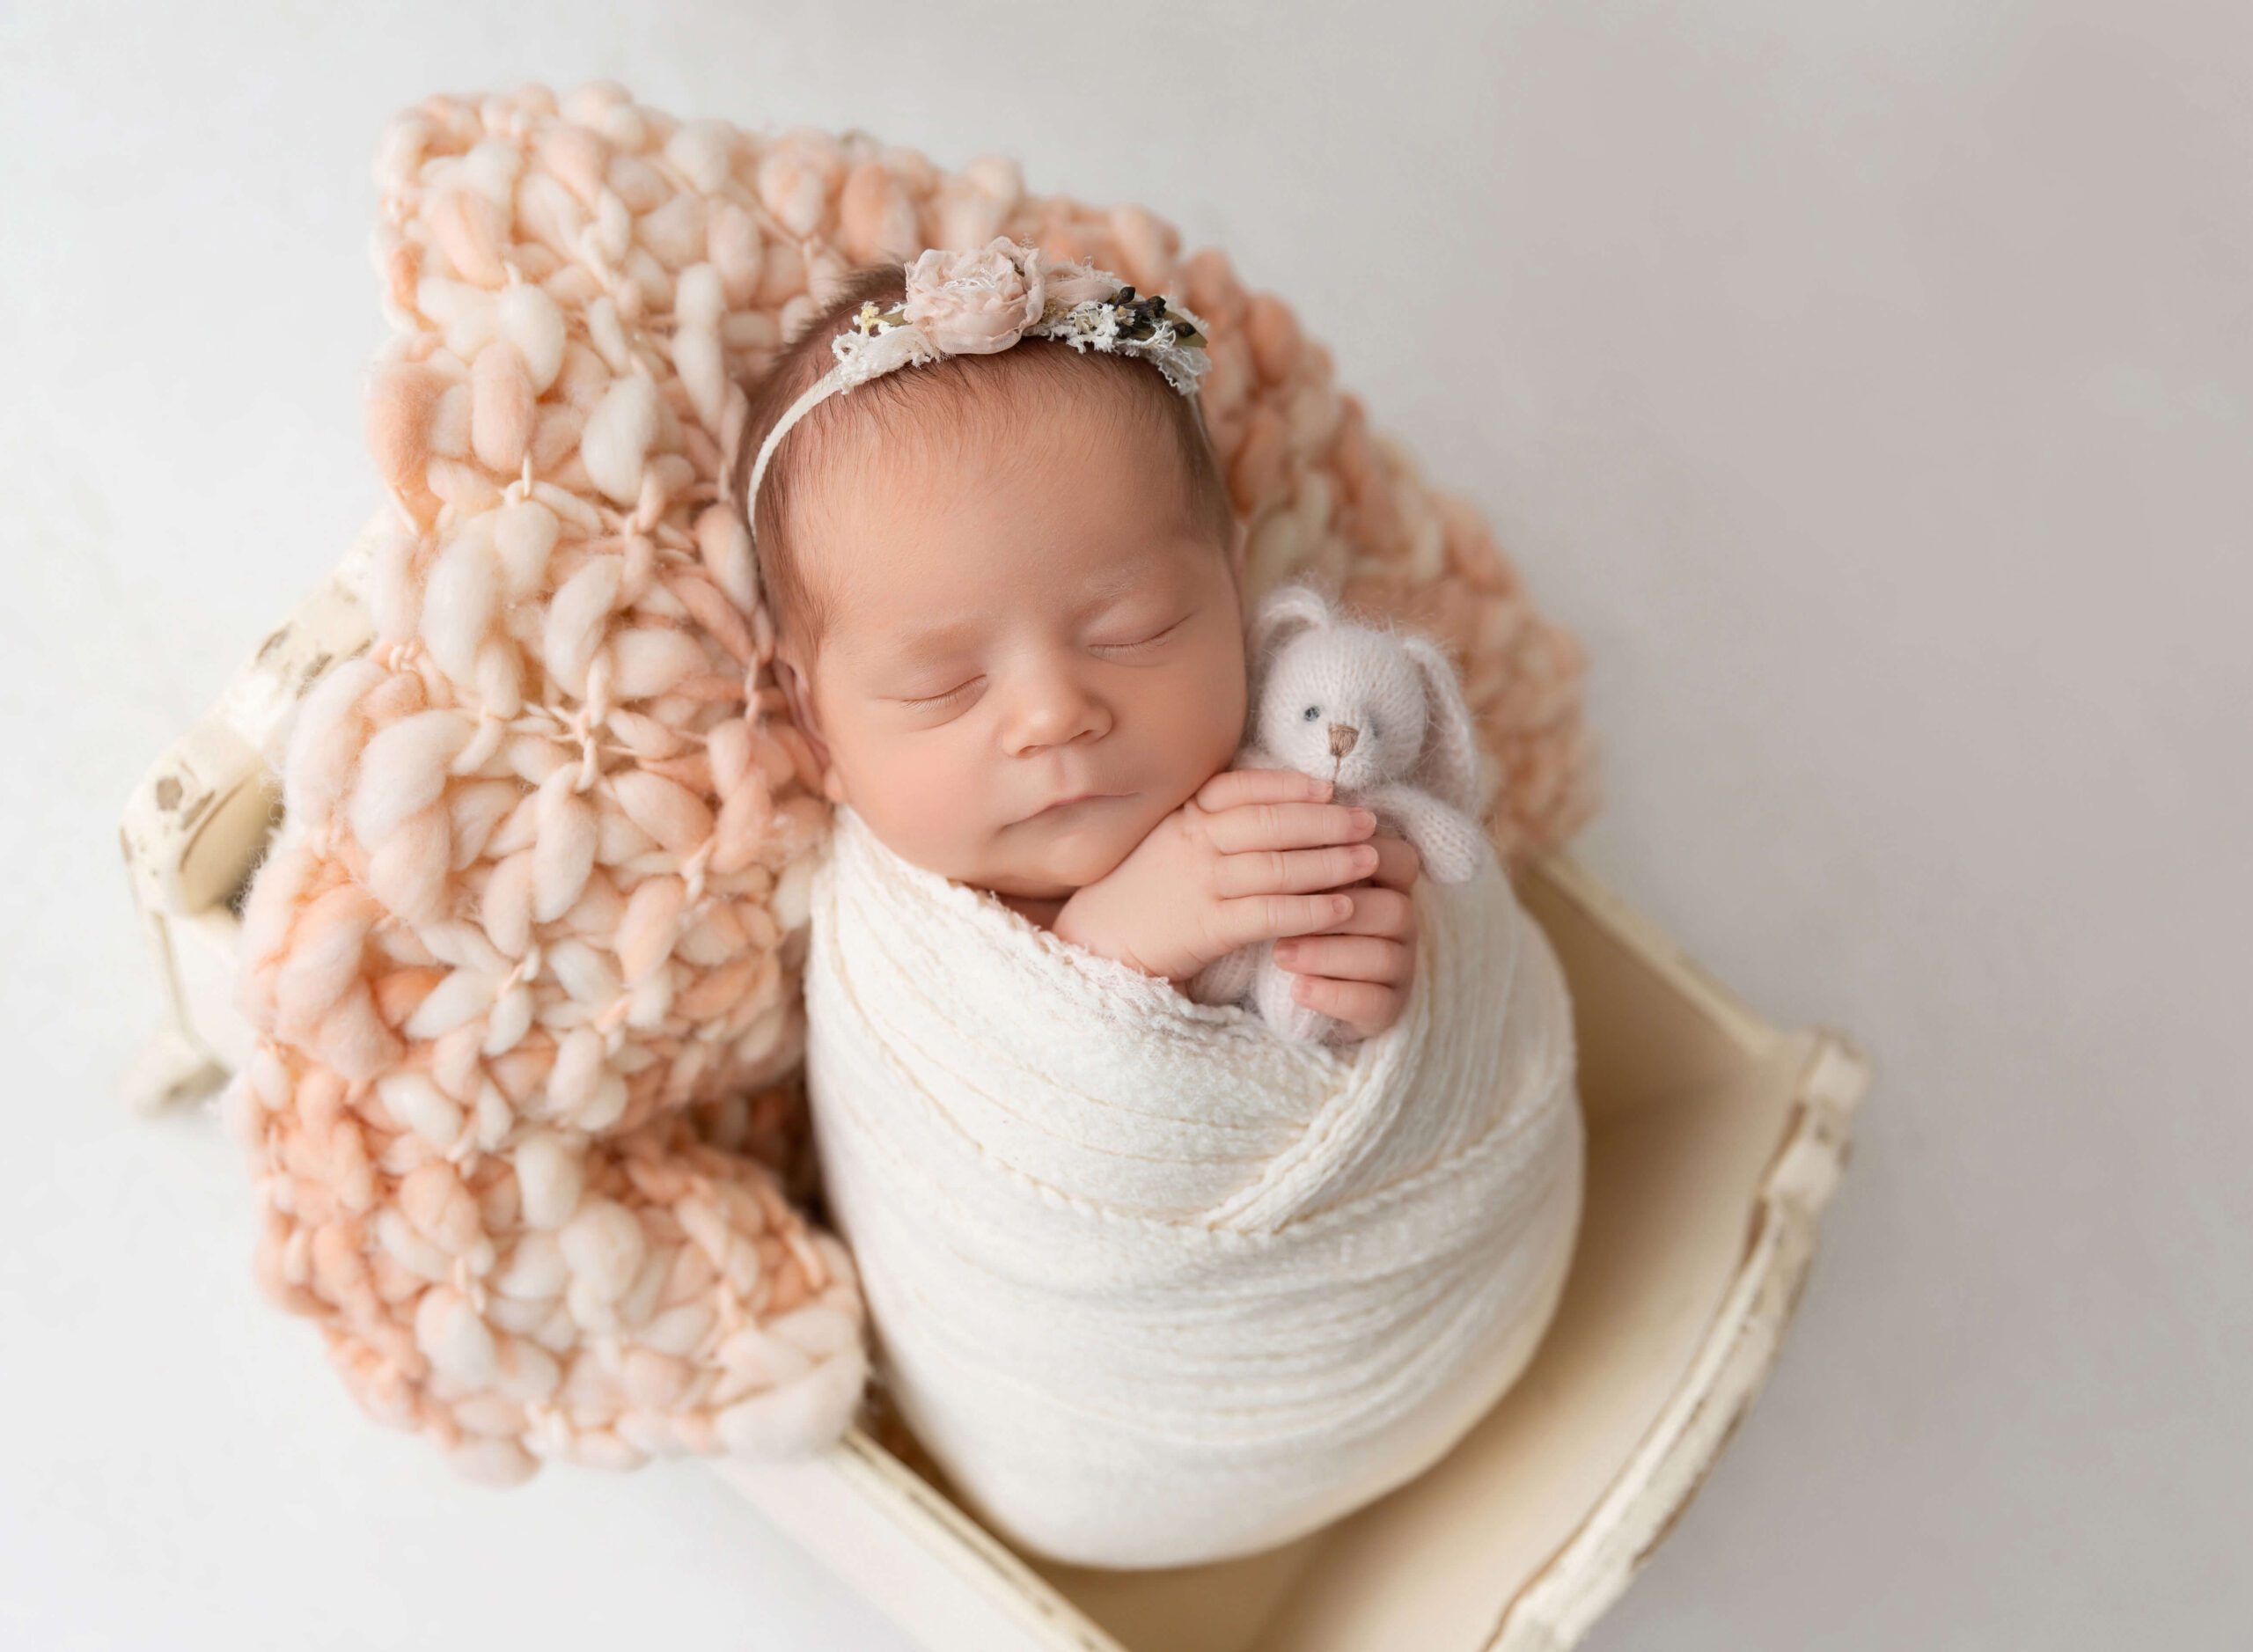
{"x":1312,"y":713}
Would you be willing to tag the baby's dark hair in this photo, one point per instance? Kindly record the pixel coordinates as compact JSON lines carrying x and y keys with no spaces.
{"x":1006,"y":383}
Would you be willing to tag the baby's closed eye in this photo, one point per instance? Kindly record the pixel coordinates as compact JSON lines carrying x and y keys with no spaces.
{"x":940,"y":699}
{"x":1135,"y":641}
{"x":1151,"y":641}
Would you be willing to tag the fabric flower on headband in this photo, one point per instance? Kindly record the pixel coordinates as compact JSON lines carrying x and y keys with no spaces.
{"x":978,"y":303}
{"x":973,"y":304}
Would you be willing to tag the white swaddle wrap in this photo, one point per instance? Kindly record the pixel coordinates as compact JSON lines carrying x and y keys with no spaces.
{"x":1154,"y":1285}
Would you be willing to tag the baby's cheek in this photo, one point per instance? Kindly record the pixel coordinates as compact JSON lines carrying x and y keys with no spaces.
{"x":1198,"y":721}
{"x":914,"y":801}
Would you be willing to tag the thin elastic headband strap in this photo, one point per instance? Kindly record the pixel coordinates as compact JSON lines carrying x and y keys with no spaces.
{"x":860,"y":357}
{"x":818,"y":391}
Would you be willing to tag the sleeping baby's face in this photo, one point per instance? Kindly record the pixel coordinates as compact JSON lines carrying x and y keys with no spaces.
{"x":1013,"y":621}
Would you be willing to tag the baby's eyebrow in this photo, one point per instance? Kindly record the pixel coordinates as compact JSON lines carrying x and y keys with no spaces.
{"x":1124,"y":577}
{"x":927,"y":638}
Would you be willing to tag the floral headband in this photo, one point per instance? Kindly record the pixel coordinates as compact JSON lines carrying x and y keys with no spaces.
{"x":978,"y":303}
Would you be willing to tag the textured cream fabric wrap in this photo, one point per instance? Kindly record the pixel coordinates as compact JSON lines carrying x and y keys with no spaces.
{"x":1154,"y":1285}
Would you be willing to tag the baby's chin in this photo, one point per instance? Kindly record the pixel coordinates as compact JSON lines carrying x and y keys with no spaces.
{"x":1040,"y":860}
{"x":1054,"y":874}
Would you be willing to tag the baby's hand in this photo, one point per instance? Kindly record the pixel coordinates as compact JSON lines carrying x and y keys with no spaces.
{"x":1359,"y":971}
{"x":1237,"y":865}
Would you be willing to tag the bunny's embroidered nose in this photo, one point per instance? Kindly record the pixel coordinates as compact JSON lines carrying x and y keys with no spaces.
{"x":1342,"y":736}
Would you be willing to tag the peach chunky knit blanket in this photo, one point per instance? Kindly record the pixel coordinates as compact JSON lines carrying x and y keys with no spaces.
{"x":1154,"y":1284}
{"x":524,"y":1116}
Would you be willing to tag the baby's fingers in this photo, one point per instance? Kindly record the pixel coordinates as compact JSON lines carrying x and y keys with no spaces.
{"x":1377,"y":911}
{"x":1234,"y":786}
{"x":1251,"y":919}
{"x":1287,"y":826}
{"x":1291,"y":871}
{"x":1371,"y":957}
{"x":1363,"y":1006}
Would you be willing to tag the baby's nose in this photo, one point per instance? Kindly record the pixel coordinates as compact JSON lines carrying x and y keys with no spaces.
{"x":1342,"y":736}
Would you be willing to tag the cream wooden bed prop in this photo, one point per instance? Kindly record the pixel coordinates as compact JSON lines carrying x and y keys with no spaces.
{"x":1715,"y":1142}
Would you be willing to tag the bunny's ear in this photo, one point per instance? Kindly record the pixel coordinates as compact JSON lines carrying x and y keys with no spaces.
{"x":1451,"y":766}
{"x":1280,"y":615}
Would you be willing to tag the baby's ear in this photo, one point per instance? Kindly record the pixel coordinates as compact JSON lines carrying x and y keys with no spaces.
{"x":797,"y":694}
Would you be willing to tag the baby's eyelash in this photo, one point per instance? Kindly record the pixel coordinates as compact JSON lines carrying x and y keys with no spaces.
{"x":1147,"y":640}
{"x":928,"y":700}
{"x":937,"y":700}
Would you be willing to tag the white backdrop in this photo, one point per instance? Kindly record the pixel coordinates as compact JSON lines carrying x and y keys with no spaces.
{"x":1869,"y":383}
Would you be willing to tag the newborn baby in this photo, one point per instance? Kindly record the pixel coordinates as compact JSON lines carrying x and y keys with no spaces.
{"x":1005,"y":588}
{"x":1108,"y":1233}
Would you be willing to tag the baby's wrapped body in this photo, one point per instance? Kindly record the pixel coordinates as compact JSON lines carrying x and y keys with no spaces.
{"x":1152,"y":1284}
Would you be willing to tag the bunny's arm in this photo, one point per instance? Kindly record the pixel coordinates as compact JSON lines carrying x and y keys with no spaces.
{"x":1450,"y":843}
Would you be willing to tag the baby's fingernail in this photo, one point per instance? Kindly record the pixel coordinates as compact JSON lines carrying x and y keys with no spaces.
{"x":1364,"y":817}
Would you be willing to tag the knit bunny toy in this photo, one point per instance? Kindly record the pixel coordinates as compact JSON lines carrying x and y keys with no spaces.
{"x":1379,"y":713}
